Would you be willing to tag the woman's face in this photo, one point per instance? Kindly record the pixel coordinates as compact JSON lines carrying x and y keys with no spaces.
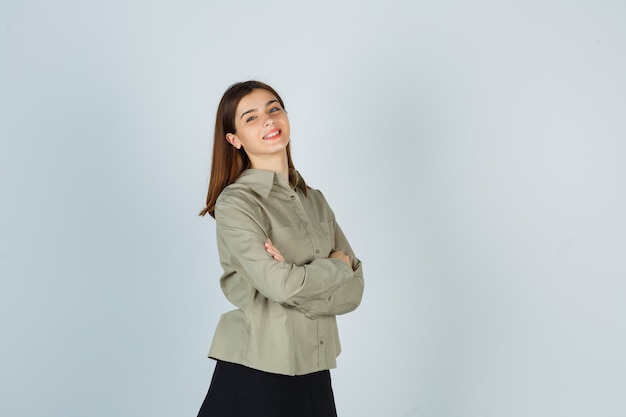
{"x":262,"y":126}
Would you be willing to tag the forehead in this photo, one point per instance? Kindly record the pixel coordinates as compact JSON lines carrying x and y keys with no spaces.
{"x":257,"y":99}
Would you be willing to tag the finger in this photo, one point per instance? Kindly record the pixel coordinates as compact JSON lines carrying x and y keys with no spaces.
{"x":274,"y":252}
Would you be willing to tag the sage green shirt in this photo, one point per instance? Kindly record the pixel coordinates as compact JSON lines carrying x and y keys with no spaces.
{"x":285,"y":322}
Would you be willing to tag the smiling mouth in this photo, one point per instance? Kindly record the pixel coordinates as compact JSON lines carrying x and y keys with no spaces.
{"x":272,"y":134}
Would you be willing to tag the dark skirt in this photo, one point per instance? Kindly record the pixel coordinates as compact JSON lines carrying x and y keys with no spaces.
{"x":239,"y":391}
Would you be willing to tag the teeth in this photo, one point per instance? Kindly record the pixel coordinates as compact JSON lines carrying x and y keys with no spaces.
{"x":271,"y":135}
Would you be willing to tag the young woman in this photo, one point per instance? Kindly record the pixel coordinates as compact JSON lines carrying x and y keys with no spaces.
{"x":287,"y":267}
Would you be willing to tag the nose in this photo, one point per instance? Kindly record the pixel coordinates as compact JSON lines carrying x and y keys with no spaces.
{"x":269,"y":121}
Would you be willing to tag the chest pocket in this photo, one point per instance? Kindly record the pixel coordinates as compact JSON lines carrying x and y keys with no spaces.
{"x":327,"y":228}
{"x":300,"y":245}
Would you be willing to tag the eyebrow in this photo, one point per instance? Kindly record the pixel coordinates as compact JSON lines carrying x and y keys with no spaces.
{"x":251,"y":110}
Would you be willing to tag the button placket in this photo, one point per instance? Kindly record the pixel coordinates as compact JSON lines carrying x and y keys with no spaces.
{"x":303,"y":215}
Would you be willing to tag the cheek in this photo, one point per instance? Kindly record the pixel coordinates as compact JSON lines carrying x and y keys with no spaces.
{"x":248,"y":135}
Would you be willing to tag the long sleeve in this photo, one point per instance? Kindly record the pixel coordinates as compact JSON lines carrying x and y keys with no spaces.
{"x":285,"y":317}
{"x":241,"y":238}
{"x":348,"y":296}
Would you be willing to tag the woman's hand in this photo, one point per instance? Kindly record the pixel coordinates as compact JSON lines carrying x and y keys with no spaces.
{"x":271,"y":249}
{"x":339,"y":254}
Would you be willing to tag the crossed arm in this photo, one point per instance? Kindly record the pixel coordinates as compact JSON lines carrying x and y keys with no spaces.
{"x":325,"y":286}
{"x":344,"y":299}
{"x":272,"y":250}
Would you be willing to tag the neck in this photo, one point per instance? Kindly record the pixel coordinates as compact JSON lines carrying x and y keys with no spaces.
{"x":277,"y":163}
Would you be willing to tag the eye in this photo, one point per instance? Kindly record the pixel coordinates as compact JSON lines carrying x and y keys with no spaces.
{"x":251,"y":118}
{"x":275,"y":109}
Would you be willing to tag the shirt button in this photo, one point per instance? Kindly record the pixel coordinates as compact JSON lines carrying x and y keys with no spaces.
{"x":317,"y":251}
{"x":307,"y":223}
{"x":321,"y":342}
{"x":293,"y":197}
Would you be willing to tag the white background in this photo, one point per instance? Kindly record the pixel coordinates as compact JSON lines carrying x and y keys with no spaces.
{"x":472,"y":151}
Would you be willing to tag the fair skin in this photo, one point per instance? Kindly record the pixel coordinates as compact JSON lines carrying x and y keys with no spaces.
{"x":263,"y":131}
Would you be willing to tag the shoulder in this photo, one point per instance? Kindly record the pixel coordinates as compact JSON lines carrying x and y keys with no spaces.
{"x":315,"y":194}
{"x":235,"y":198}
{"x":234,"y":191}
{"x":318,"y":202}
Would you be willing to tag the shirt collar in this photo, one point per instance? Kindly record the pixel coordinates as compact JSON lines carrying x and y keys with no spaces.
{"x":261,"y":181}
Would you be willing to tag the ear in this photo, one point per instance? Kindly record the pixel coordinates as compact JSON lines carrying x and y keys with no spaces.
{"x":233,"y":140}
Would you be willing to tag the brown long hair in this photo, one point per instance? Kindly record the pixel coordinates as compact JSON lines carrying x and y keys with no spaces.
{"x":228,"y":162}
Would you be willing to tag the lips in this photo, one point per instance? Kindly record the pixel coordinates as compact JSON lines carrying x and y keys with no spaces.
{"x":272,"y":134}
